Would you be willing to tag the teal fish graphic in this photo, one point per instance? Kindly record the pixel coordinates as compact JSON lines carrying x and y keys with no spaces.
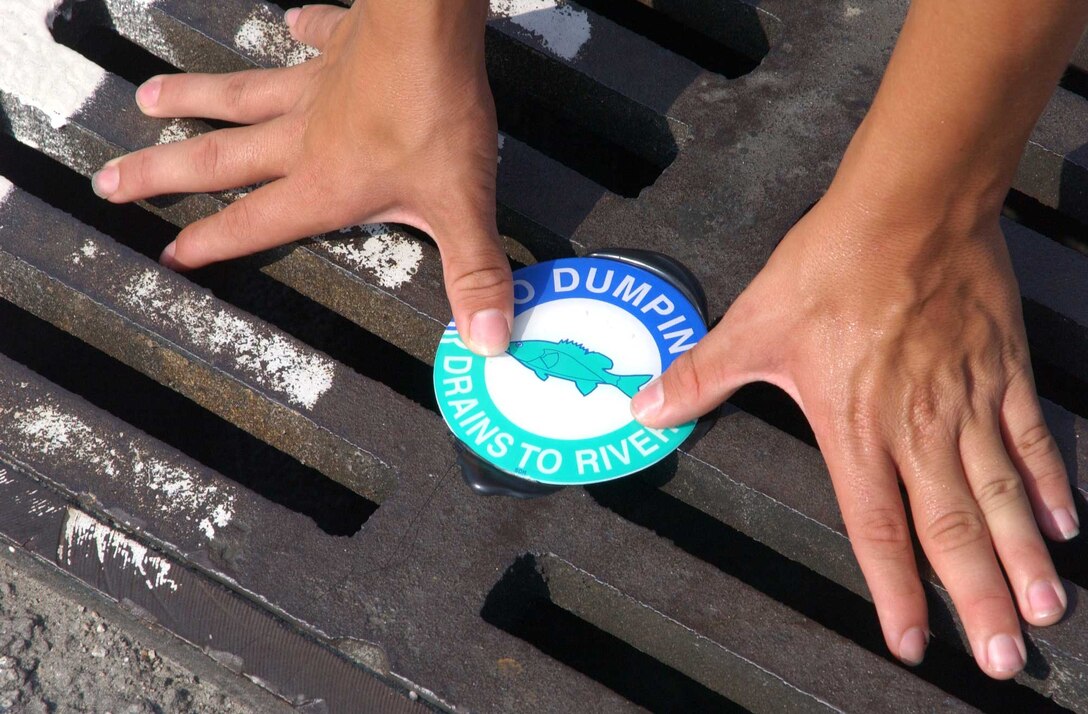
{"x":573,"y":362}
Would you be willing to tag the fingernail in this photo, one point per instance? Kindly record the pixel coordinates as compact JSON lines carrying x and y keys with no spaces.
{"x":912,"y":648}
{"x":648,"y":402}
{"x":105,"y":182}
{"x":291,"y":16}
{"x":167,"y":256}
{"x":489,"y":332}
{"x":1045,"y":600}
{"x":147,"y":95}
{"x":1004,"y":654}
{"x":1067,"y":522}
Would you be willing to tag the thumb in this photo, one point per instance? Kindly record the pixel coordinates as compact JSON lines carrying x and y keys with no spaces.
{"x":313,"y":25}
{"x":697,"y":382}
{"x":480,"y":289}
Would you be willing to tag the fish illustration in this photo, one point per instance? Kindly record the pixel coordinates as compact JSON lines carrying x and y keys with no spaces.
{"x":573,"y":362}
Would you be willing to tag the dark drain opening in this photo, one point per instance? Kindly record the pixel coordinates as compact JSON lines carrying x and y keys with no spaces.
{"x":60,"y":186}
{"x":772,"y":406}
{"x":175,"y":420}
{"x":286,"y":5}
{"x":620,"y":144}
{"x":237,"y":282}
{"x":805,"y":591}
{"x":86,"y":31}
{"x":729,"y":41}
{"x":532,"y":122}
{"x":1075,"y":80}
{"x":1052,"y":223}
{"x":1052,"y":381}
{"x":1057,"y":385}
{"x":519,"y":604}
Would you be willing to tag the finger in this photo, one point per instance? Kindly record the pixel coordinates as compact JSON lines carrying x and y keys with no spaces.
{"x":246,"y":97}
{"x":314,"y":25}
{"x":955,"y":538}
{"x":1036,"y":457}
{"x":480,"y":288}
{"x":1000,"y":495}
{"x":701,"y":378}
{"x":872,"y":509}
{"x":214,"y":161}
{"x":273,"y":215}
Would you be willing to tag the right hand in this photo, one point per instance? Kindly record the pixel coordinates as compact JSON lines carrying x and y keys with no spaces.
{"x":899,"y":333}
{"x":393,"y":122}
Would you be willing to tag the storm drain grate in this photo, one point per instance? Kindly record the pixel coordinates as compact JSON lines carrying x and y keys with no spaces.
{"x":266,"y":427}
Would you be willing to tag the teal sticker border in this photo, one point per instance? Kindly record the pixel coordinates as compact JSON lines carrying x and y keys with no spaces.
{"x":561,"y":462}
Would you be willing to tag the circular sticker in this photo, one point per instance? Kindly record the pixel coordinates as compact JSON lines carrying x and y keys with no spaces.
{"x":555,"y":408}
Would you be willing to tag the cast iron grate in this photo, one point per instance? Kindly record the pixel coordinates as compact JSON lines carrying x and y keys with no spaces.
{"x":332,"y":517}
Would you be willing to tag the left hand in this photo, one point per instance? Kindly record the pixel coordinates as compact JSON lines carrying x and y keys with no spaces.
{"x":392,"y":122}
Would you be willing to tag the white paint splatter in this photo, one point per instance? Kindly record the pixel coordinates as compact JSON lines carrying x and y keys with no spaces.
{"x":390,"y":257}
{"x":265,"y":36}
{"x":220,"y":518}
{"x":502,"y":143}
{"x":36,"y":70}
{"x":6,"y":187}
{"x":42,"y":507}
{"x":176,"y":130}
{"x":267,"y":356}
{"x":561,"y":28}
{"x":48,"y":429}
{"x":88,"y":250}
{"x":81,"y":529}
{"x":25,"y":124}
{"x":851,"y":11}
{"x":237,"y":194}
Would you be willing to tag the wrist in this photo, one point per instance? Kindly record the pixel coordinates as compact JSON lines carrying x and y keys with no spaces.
{"x":911,"y":180}
{"x":450,"y":29}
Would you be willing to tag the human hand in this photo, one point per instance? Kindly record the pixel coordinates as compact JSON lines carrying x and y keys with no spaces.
{"x":392,"y":122}
{"x":901,"y":337}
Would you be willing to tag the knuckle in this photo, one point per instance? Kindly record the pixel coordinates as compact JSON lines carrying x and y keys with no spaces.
{"x":238,"y":220}
{"x":954,"y":530}
{"x":860,"y":414}
{"x":1034,"y":442}
{"x":309,"y":24}
{"x":922,"y":411}
{"x":684,"y":378}
{"x":305,"y":20}
{"x":483,"y":281}
{"x":997,"y":493}
{"x":885,"y":530}
{"x":1014,"y":355}
{"x":207,"y":155}
{"x":236,"y":90}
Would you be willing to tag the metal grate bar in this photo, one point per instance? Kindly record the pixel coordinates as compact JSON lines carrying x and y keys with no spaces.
{"x":1054,"y":169}
{"x":247,"y":372}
